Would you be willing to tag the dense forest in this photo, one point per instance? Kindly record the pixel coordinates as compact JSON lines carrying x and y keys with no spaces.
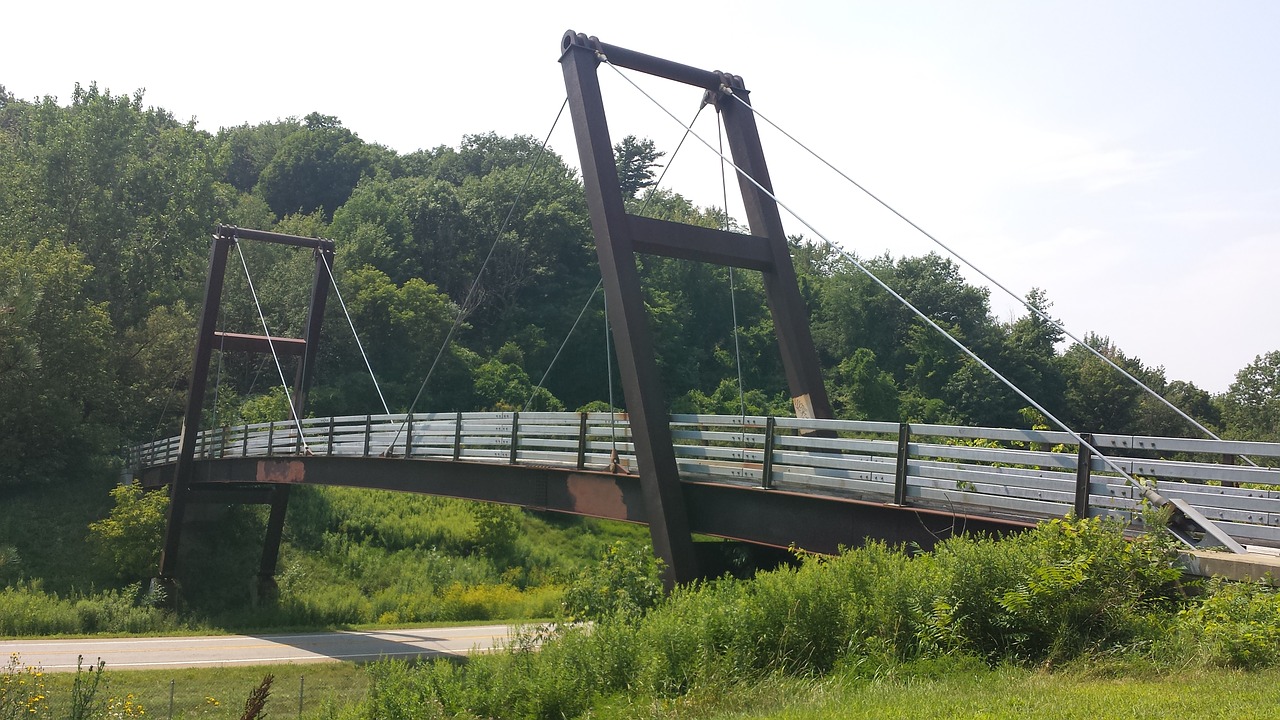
{"x":106,"y":206}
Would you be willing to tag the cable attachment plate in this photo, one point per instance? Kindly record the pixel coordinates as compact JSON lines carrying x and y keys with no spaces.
{"x":729,"y":85}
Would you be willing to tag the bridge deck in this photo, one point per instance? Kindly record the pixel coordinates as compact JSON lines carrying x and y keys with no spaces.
{"x":764,"y":480}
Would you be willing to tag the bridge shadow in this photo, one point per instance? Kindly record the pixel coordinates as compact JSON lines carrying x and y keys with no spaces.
{"x":372,"y":645}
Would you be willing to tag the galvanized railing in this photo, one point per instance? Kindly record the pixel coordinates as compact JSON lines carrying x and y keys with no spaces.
{"x":1017,"y":474}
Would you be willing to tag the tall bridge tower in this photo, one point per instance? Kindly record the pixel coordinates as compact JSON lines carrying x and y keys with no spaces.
{"x":619,"y":236}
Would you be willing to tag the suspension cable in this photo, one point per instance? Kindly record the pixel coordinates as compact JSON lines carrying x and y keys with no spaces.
{"x":643,"y":206}
{"x":466,"y":302}
{"x":1147,"y":490}
{"x":334,"y":282}
{"x":272,"y":346}
{"x":1035,"y":310}
{"x":733,"y":293}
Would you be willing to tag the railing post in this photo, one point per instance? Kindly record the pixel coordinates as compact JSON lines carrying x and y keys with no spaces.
{"x":244,"y":442}
{"x":329,"y":444}
{"x":408,"y":437}
{"x":582,"y":440}
{"x":900,"y":470}
{"x":368,"y":433}
{"x":1084,"y":457}
{"x":766,"y":471}
{"x":271,"y":439}
{"x":457,"y":437}
{"x":515,"y":435}
{"x":1229,"y":459}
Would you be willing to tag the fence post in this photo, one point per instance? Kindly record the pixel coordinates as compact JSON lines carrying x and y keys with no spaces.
{"x":900,"y":469}
{"x":408,"y":437}
{"x":582,"y":440}
{"x":1229,"y":459}
{"x":515,"y":435}
{"x":368,"y":432}
{"x":457,"y":437}
{"x":766,"y":471}
{"x":271,"y":438}
{"x":1084,"y":457}
{"x":329,"y":444}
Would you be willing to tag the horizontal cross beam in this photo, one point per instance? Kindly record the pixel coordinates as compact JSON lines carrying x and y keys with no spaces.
{"x":239,"y":342}
{"x":693,"y":242}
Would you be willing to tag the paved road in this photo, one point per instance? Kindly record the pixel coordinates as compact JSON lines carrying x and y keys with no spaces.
{"x":212,"y":651}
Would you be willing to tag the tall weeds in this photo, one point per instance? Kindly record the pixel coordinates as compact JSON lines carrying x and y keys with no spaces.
{"x":1066,"y":591}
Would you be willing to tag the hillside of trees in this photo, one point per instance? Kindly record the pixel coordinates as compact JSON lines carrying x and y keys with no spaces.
{"x":106,"y":206}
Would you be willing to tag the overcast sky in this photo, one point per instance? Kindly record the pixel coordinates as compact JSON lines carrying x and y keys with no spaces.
{"x":1123,"y":156}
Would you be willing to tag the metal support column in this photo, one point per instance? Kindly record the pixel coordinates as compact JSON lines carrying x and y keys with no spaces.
{"x":205,"y":336}
{"x":641,"y":384}
{"x":782,"y":290}
{"x":1084,"y":460}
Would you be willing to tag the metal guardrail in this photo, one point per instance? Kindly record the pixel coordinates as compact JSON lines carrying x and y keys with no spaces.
{"x":1007,"y":473}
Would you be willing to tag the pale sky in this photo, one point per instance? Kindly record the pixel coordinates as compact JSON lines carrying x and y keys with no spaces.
{"x":1123,"y":156}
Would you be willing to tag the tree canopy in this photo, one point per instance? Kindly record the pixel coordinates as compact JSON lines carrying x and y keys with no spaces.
{"x":106,"y":205}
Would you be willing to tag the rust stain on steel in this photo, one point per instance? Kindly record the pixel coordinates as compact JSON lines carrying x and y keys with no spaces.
{"x":281,"y":471}
{"x":596,"y":495}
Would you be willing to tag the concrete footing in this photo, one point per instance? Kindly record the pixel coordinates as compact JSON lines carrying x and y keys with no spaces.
{"x":1252,"y":566}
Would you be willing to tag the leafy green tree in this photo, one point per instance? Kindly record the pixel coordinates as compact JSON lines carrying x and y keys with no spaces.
{"x":636,"y":160}
{"x":131,"y":536}
{"x":502,"y":384}
{"x":1158,"y":419}
{"x":243,"y":151}
{"x":55,"y":365}
{"x":624,"y":584}
{"x":1097,"y":398}
{"x":1251,"y":405}
{"x":131,"y":188}
{"x":860,"y":390}
{"x":403,"y":328}
{"x":315,"y":168}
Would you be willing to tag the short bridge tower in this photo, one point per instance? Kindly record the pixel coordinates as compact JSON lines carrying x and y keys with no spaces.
{"x":208,"y":339}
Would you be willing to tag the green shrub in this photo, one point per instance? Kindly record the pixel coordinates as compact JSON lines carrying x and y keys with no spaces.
{"x":130,"y":537}
{"x":1235,"y":625}
{"x":1067,"y":589}
{"x":625,"y":582}
{"x":28,"y":610}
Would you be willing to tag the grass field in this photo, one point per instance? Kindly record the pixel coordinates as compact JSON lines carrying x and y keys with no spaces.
{"x":999,"y":694}
{"x":326,"y":690}
{"x":335,"y":690}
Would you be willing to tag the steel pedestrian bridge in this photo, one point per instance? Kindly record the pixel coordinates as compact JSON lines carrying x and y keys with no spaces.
{"x":766,"y":480}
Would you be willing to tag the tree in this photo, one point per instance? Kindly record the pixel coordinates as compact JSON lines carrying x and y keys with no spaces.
{"x":60,"y":400}
{"x":636,"y":160}
{"x":316,"y":168}
{"x":1098,"y":399}
{"x":243,"y":151}
{"x":860,"y":390}
{"x":1251,"y":405}
{"x":130,"y":537}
